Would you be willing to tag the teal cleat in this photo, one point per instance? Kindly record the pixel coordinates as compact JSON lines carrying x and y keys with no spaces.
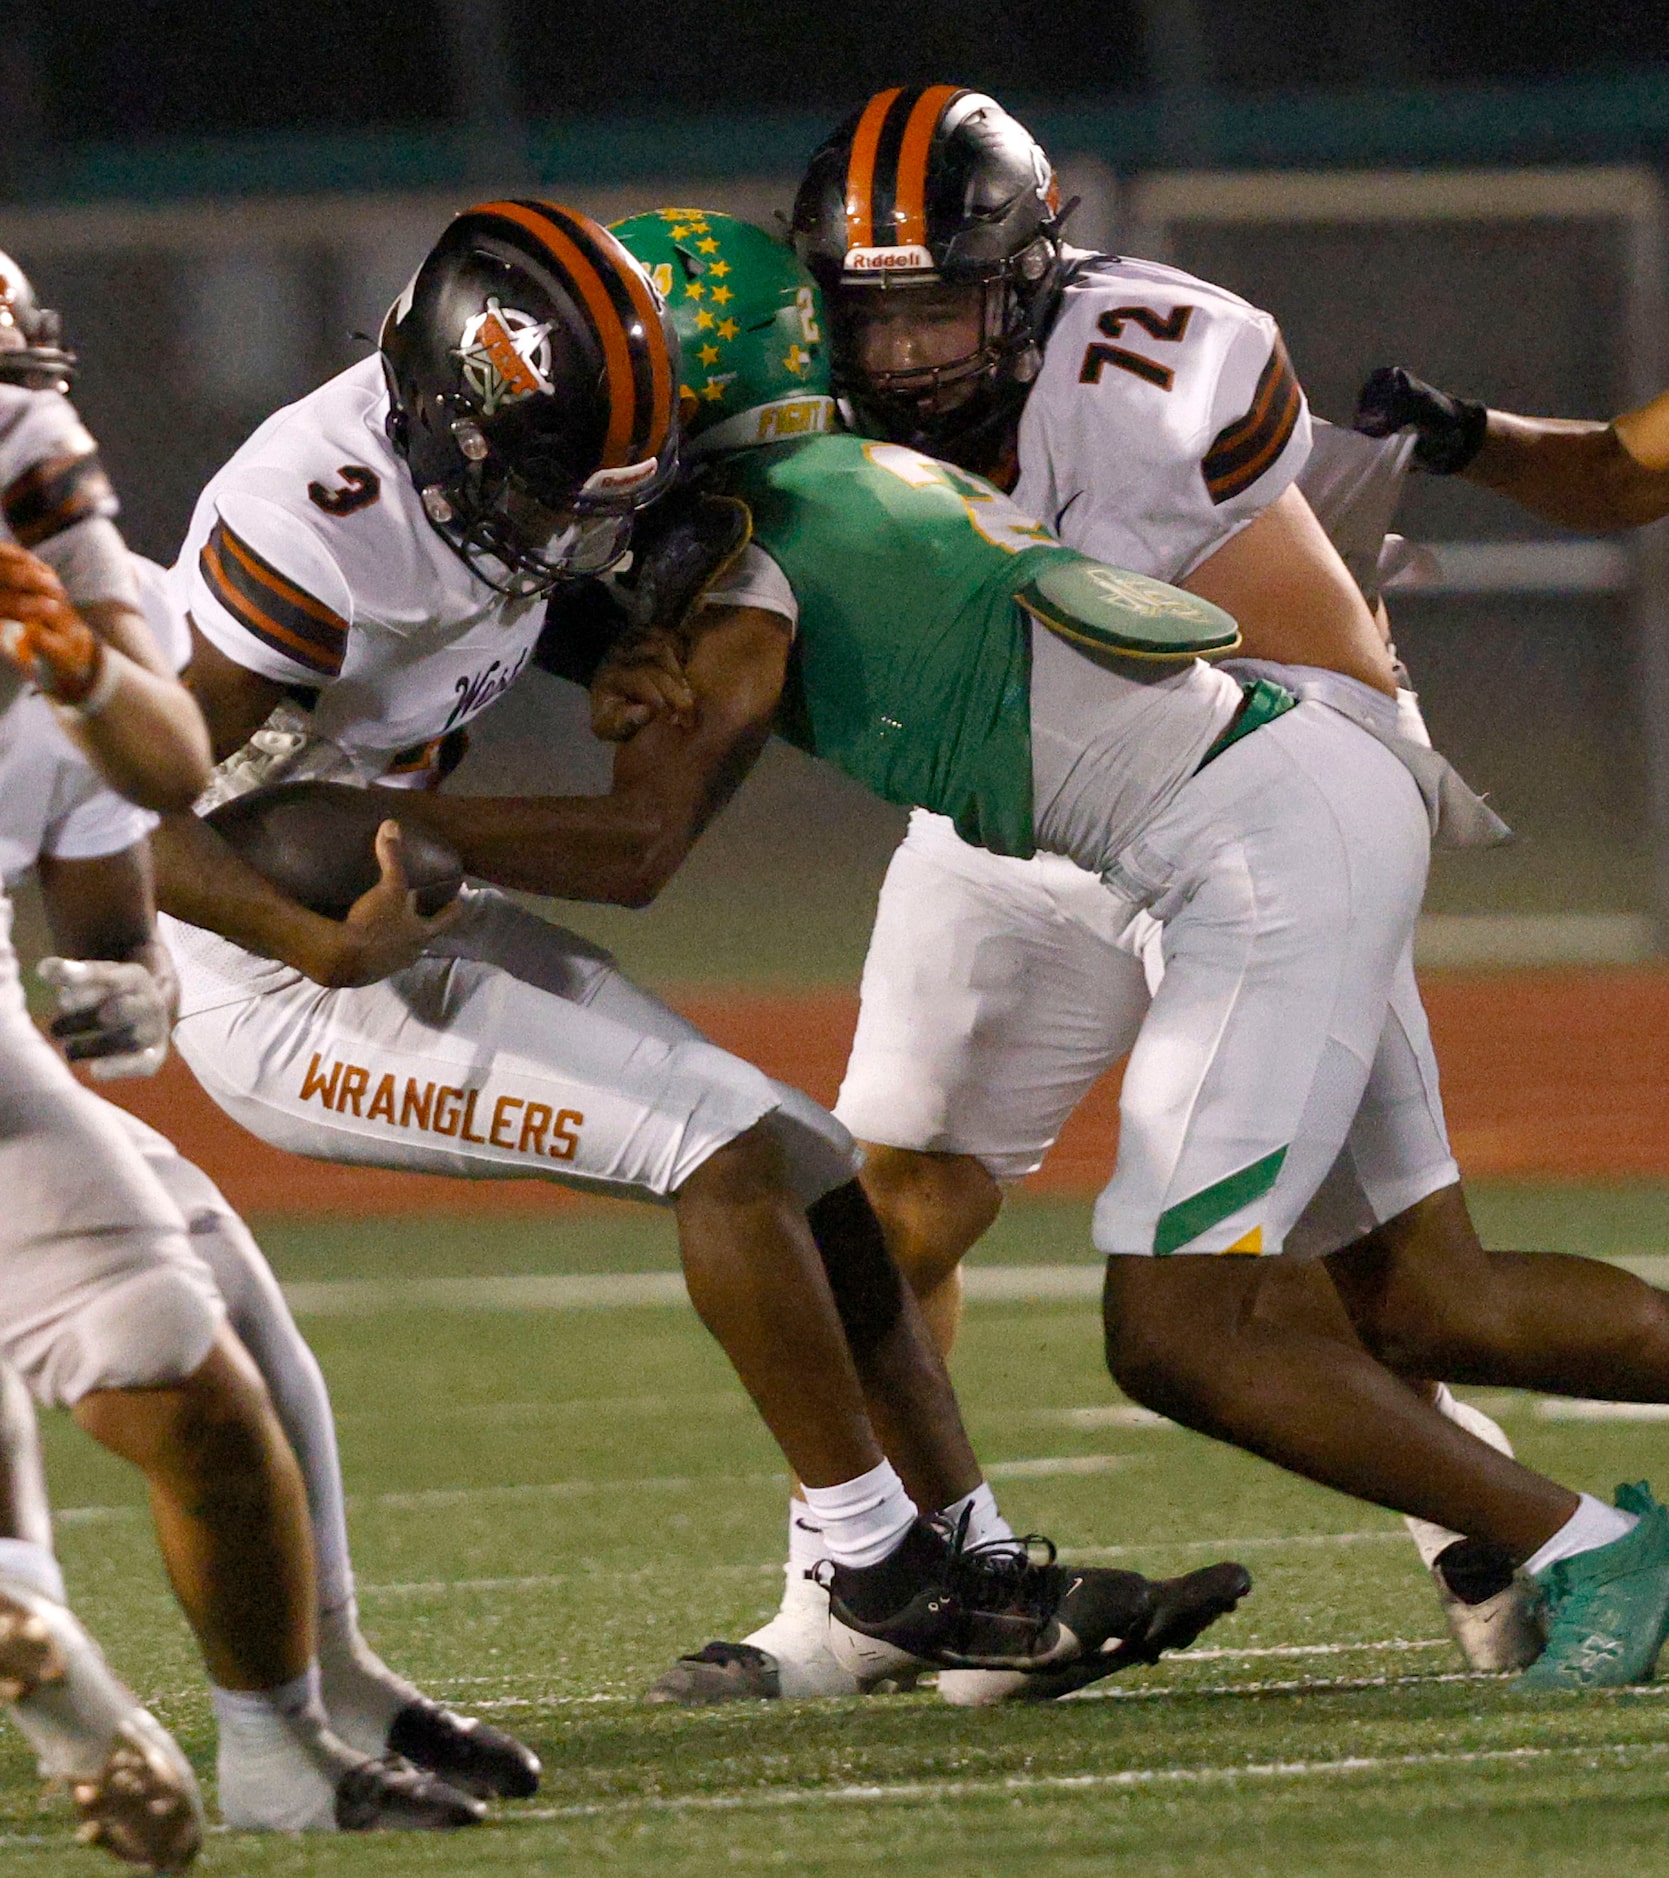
{"x":1608,"y":1609}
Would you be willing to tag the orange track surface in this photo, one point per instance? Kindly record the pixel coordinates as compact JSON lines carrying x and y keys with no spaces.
{"x":1546,"y":1076}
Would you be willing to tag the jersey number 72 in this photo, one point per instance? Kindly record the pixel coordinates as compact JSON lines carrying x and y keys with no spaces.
{"x":1168,"y":327}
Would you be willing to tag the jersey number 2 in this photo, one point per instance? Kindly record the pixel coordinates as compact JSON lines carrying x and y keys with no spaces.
{"x":1169,"y":327}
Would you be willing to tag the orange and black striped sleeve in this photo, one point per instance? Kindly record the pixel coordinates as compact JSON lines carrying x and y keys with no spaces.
{"x":1242,"y":451}
{"x":281,"y":615}
{"x":53,"y":495}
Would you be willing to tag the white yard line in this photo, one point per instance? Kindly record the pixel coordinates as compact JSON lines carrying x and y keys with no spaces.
{"x":612,"y":1291}
{"x":918,"y":1792}
{"x":603,"y":1291}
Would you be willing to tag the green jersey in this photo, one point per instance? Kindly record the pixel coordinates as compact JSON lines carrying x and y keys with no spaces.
{"x":917,"y":585}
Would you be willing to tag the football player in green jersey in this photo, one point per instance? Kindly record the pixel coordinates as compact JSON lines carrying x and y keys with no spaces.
{"x":908,"y":623}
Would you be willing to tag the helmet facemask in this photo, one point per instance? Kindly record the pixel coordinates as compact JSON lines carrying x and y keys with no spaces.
{"x":524,"y":537}
{"x":937,"y":362}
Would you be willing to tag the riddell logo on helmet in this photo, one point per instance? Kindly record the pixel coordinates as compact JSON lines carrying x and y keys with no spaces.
{"x":888,"y":260}
{"x":613,"y":481}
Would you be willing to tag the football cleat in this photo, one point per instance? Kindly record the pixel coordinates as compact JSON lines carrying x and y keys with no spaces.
{"x":788,"y":1657}
{"x":719,"y":1672}
{"x":1495,"y":1614}
{"x":132,"y":1788}
{"x":474,"y":1755}
{"x":393,"y":1796}
{"x":1608,"y":1608}
{"x":1165,"y":1614}
{"x":938,"y":1600}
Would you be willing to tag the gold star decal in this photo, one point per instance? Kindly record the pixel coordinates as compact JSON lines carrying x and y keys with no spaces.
{"x":712,"y":391}
{"x":719,"y":269}
{"x":720,"y":295}
{"x":796,"y":360}
{"x":728,"y":329}
{"x":679,"y":234}
{"x":694,"y":290}
{"x":698,"y":225}
{"x":704,"y":320}
{"x":709,"y":355}
{"x":709,"y":246}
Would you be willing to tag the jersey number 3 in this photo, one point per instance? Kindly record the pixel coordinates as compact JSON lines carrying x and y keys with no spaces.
{"x":1168,"y":326}
{"x":360,"y":488}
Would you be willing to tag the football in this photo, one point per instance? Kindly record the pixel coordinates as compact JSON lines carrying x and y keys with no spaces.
{"x":316,"y":841}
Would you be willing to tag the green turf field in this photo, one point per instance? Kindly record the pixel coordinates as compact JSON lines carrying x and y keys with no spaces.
{"x":550,"y":1504}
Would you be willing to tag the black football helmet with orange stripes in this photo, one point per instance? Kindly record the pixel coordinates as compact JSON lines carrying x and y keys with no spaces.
{"x":931,"y":218}
{"x":31,"y":336}
{"x":533,"y":379}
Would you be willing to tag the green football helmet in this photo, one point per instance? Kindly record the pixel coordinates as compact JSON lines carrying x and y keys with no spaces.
{"x":750,"y":322}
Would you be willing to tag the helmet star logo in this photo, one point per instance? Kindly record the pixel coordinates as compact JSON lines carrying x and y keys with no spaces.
{"x":728,"y":329}
{"x":506,"y":356}
{"x":694,"y":290}
{"x":719,"y":268}
{"x":721,"y":295}
{"x":704,"y":321}
{"x":709,"y":355}
{"x":797,"y":361}
{"x":709,"y":246}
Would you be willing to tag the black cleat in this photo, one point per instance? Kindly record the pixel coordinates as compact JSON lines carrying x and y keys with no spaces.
{"x":471,"y":1754}
{"x":1168,"y":1614}
{"x":937,"y":1600}
{"x":392,"y":1796}
{"x":720,"y":1672}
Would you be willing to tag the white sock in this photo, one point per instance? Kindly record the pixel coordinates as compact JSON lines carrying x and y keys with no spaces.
{"x":294,"y":1380}
{"x":1592,"y":1525}
{"x":807,"y":1546}
{"x":863,"y":1519}
{"x":985,"y":1523}
{"x":33,"y":1565}
{"x":253,"y":1712}
{"x":361,"y":1692}
{"x":1430,"y":1539}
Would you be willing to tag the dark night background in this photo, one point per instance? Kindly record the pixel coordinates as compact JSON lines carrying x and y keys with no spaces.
{"x":115,"y":69}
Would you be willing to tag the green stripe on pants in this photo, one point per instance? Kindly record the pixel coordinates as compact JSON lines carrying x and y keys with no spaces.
{"x":1201,"y":1211}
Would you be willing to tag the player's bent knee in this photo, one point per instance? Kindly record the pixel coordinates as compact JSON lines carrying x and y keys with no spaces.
{"x":933,"y":1207}
{"x":1162,"y":1325}
{"x":868,"y":1290}
{"x":149,"y":1330}
{"x":819,"y":1154}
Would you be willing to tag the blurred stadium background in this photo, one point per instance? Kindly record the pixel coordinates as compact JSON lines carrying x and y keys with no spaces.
{"x":1478,"y":197}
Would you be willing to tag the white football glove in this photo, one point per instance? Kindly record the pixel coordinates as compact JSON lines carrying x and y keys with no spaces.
{"x":113,"y":1017}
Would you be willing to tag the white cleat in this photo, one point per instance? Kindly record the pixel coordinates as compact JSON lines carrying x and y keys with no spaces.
{"x":133,"y":1789}
{"x":1501,"y":1633}
{"x":789,"y":1656}
{"x":1505,"y":1630}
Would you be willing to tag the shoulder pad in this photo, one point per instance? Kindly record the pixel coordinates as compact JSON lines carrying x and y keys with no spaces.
{"x":682,"y":546}
{"x":1109,"y":610}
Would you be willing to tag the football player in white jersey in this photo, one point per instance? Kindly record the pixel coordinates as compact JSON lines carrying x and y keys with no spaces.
{"x":381,"y":551}
{"x":121,"y":1259}
{"x":1152,"y":419}
{"x":1573,"y":471}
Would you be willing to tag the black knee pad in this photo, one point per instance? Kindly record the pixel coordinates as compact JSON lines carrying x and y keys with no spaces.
{"x":868,"y":1289}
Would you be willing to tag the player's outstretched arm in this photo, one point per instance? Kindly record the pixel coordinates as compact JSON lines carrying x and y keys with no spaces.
{"x":108,"y":682}
{"x":671,"y":777}
{"x":1575,"y":472}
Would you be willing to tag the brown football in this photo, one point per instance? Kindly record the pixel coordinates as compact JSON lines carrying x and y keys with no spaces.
{"x":316,"y":841}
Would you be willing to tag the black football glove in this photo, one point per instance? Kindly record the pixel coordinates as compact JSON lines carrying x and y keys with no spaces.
{"x":1451,"y":430}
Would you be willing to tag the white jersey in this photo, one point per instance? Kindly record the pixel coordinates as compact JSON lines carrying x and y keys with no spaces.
{"x":55,"y":498}
{"x":1166,"y":417}
{"x":310,"y":561}
{"x":52,"y":802}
